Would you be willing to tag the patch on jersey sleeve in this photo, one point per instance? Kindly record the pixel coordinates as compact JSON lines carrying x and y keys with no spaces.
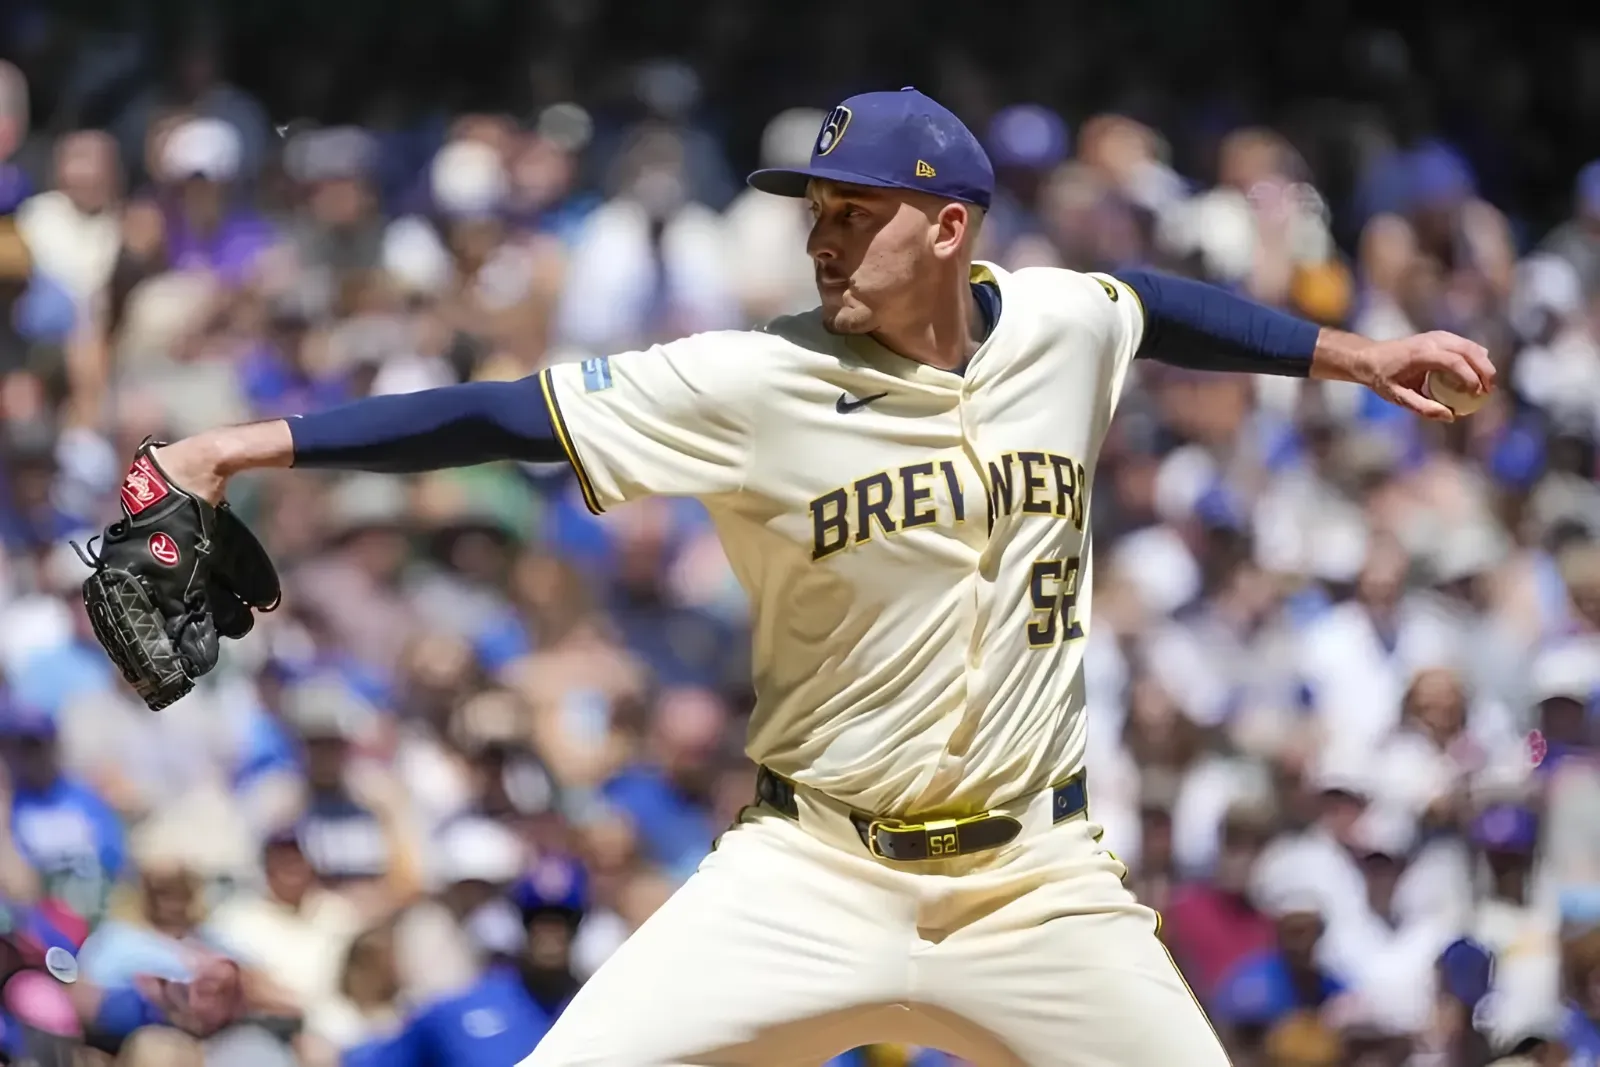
{"x":1110,"y":289}
{"x":596,"y":374}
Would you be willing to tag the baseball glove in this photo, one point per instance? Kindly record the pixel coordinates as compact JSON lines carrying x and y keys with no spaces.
{"x":171,"y":577}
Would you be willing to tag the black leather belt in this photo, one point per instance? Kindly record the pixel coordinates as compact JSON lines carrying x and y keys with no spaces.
{"x":908,"y":842}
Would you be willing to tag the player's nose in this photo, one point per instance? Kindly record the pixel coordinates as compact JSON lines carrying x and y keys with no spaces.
{"x":820,"y":247}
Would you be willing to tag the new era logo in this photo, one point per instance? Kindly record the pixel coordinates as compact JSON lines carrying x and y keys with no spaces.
{"x":925,"y":169}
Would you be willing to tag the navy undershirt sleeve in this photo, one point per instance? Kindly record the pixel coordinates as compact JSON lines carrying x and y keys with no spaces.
{"x":455,"y":426}
{"x":1199,"y":326}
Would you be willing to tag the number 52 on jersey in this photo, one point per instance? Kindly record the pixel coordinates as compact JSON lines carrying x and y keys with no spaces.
{"x":1053,"y":588}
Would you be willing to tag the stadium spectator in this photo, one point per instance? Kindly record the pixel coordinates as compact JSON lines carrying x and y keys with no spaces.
{"x":294,"y":930}
{"x":195,"y":83}
{"x":156,"y":932}
{"x":367,"y":1007}
{"x":1269,"y":986}
{"x":493,"y":1022}
{"x":208,"y":225}
{"x":647,"y":265}
{"x":766,"y":234}
{"x":1578,"y":239}
{"x":64,"y":830}
{"x":71,"y":230}
{"x":1212,"y":923}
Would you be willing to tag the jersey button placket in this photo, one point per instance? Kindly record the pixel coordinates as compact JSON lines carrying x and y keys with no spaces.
{"x":974,"y":662}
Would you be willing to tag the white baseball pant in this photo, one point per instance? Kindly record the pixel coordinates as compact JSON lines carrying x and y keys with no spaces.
{"x":792,"y":944}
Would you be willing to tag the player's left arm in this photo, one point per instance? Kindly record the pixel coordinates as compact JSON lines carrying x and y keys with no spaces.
{"x":1199,"y":326}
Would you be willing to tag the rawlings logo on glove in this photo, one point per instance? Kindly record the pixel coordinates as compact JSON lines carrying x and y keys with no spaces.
{"x":171,"y":577}
{"x":143,"y":486}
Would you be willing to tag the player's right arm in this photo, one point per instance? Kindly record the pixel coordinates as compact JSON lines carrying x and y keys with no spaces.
{"x":1203,"y":327}
{"x":677,"y":420}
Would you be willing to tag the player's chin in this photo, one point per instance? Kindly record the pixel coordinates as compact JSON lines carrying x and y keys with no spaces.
{"x":846,"y":316}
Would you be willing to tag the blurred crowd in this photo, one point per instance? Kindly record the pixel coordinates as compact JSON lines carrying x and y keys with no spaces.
{"x":1343,"y":668}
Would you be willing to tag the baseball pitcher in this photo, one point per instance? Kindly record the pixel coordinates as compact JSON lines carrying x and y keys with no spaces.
{"x":903,"y":480}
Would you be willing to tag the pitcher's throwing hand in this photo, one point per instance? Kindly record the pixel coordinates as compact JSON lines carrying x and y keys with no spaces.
{"x":1398,"y":371}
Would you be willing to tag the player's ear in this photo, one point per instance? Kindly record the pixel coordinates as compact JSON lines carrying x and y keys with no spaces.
{"x":953,"y":226}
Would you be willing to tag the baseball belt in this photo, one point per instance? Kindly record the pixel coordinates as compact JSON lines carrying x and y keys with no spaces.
{"x":909,"y":842}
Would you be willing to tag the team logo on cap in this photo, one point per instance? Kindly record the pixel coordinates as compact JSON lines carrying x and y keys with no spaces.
{"x":833,"y":128}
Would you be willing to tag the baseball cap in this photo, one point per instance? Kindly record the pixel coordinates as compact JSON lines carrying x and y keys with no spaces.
{"x":1279,"y":901}
{"x":1506,"y":828}
{"x":1564,"y":672}
{"x":331,"y":154}
{"x":361,"y":502}
{"x":1439,"y":175}
{"x":468,"y":180}
{"x":202,"y":148}
{"x":1588,"y":186}
{"x":476,"y":849}
{"x":554,"y":883}
{"x":1028,"y":136}
{"x":1385,"y":831}
{"x":24,"y":721}
{"x":1342,"y":768}
{"x":891,"y":140}
{"x":324,"y":708}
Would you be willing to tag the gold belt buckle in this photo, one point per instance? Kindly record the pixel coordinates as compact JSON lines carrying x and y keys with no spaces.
{"x":872,"y":834}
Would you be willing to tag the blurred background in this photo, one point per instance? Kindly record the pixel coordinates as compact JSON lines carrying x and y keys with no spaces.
{"x":1344,"y":666}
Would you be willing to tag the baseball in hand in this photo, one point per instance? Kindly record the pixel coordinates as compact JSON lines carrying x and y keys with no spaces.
{"x":1453,"y":393}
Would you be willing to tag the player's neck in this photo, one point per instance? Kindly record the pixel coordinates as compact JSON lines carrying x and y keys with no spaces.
{"x":942,"y":333}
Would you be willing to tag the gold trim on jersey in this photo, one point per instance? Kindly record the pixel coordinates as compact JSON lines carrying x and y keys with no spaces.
{"x":591,"y":499}
{"x":1187,"y":988}
{"x":1144,"y":316}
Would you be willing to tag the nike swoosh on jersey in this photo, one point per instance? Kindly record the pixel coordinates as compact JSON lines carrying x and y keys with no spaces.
{"x":844,"y":405}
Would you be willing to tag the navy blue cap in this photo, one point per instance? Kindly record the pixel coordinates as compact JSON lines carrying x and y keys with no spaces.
{"x":903,"y":140}
{"x":555,"y":883}
{"x":1506,"y":828}
{"x":18,"y":720}
{"x":1466,"y":971}
{"x":1589,"y":186}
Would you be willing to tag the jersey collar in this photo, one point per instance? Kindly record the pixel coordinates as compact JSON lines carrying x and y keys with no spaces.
{"x":871,"y":351}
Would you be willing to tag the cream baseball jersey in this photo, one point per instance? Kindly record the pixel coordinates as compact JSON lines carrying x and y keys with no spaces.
{"x":914,"y":542}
